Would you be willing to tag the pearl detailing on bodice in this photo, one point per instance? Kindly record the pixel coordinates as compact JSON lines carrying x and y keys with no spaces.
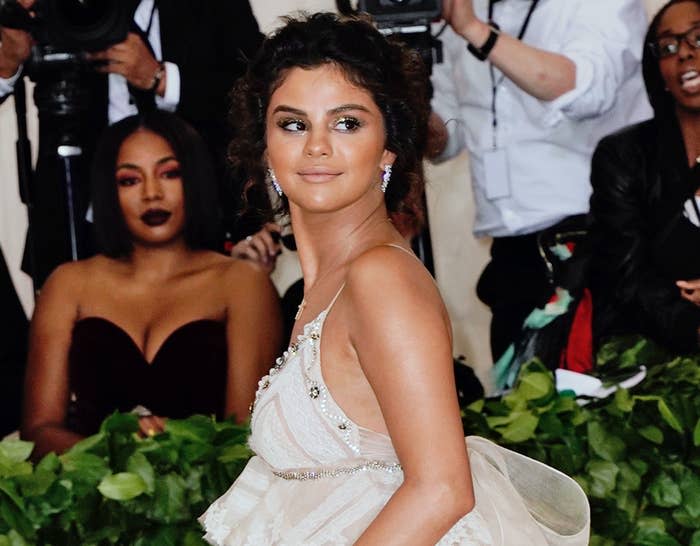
{"x":316,"y":389}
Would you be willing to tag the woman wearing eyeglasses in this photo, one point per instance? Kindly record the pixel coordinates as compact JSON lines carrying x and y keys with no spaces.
{"x":646,"y":180}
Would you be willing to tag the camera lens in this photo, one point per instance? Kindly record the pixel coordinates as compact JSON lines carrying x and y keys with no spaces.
{"x":83,"y":13}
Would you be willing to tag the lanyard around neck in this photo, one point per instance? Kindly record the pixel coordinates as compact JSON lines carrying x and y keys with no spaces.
{"x":494,"y":83}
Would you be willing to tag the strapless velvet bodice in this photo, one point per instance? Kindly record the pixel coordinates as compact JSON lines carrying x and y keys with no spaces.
{"x":108,"y":372}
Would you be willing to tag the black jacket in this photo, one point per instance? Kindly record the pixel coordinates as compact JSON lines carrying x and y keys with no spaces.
{"x":640,"y":181}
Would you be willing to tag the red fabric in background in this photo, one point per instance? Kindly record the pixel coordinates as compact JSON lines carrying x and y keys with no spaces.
{"x":578,"y":354}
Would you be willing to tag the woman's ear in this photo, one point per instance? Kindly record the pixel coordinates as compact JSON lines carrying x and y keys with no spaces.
{"x":388,"y":158}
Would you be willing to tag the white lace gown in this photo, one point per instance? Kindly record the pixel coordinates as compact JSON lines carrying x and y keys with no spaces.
{"x":319,"y":479}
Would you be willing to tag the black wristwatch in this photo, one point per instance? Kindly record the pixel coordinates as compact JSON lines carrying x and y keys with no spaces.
{"x":483,"y":52}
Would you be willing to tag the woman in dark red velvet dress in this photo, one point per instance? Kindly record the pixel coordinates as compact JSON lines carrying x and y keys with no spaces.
{"x":158,"y":320}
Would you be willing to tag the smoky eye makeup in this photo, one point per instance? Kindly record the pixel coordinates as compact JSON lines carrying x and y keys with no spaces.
{"x":348,"y":124}
{"x":126,"y":179}
{"x":291,"y":124}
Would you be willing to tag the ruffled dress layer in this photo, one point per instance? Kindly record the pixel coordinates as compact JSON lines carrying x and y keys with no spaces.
{"x":319,"y":479}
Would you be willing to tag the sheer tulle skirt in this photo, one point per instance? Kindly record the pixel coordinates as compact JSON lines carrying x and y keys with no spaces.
{"x":518,"y":501}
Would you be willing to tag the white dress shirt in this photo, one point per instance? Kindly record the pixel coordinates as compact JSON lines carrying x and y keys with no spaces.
{"x":120,"y":105}
{"x":544,"y":147}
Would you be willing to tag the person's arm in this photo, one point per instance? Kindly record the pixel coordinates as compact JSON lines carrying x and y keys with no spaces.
{"x":622,"y":264}
{"x":602,"y":50}
{"x":404,"y":348}
{"x":46,"y":387}
{"x":253,"y":332}
{"x":133,"y":60}
{"x":543,"y":74}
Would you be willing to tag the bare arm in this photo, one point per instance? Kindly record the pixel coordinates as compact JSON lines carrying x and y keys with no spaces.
{"x":46,"y":388}
{"x":542,"y":74}
{"x":404,"y":347}
{"x":254,"y":334}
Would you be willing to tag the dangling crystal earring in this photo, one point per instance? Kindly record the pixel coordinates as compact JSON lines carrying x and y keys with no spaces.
{"x":386,"y":176}
{"x":273,"y":181}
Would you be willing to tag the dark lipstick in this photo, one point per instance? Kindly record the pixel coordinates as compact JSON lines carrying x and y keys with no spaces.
{"x":155,"y":217}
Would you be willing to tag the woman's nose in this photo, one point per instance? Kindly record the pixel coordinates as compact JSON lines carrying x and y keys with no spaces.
{"x":152,"y":188}
{"x":317,"y":144}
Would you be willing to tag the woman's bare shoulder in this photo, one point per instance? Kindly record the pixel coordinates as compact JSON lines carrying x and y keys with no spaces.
{"x":387,"y":264}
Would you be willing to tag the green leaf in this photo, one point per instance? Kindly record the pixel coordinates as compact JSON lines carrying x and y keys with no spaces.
{"x":690,"y":489}
{"x":608,"y":447}
{"x":664,"y":410}
{"x":521,"y":429}
{"x":16,"y":451}
{"x":647,"y":536}
{"x":89,"y":444}
{"x":37,"y":483}
{"x":695,"y":539}
{"x":120,"y":422}
{"x":696,"y":434}
{"x":477,"y":406}
{"x":234,"y":453}
{"x":629,"y":479}
{"x":122,"y":486}
{"x":603,"y":475}
{"x":533,"y":386}
{"x":652,"y":433}
{"x":169,"y":500}
{"x":624,"y":401}
{"x":15,"y":539}
{"x":139,"y":464}
{"x":664,"y":492}
{"x":195,"y":429}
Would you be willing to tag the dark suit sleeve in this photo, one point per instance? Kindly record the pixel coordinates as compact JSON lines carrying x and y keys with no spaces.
{"x":623,"y":273}
{"x":217,"y":52}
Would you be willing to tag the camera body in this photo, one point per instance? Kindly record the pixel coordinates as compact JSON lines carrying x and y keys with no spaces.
{"x":401,"y":12}
{"x":70,"y":25}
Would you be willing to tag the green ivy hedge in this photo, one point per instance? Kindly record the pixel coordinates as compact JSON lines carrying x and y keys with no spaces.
{"x":636,"y":454}
{"x":117,"y":488}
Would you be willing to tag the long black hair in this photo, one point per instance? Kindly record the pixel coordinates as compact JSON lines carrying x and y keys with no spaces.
{"x":202,"y":213}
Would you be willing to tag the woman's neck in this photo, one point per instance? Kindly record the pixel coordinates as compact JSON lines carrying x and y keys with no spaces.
{"x":156,"y":263}
{"x":327,"y":242}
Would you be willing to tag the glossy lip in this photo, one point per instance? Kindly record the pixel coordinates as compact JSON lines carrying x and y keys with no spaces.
{"x":155,"y":217}
{"x":318,"y":174}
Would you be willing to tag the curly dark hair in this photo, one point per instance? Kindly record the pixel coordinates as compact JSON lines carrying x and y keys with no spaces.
{"x":202,"y":213}
{"x":662,"y":101}
{"x":392,"y":73}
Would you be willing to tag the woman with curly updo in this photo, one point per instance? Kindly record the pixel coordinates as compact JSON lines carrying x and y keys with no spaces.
{"x":356,"y":429}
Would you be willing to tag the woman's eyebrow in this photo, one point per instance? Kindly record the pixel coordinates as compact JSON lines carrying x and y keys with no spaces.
{"x":289,"y":109}
{"x":346,"y":107}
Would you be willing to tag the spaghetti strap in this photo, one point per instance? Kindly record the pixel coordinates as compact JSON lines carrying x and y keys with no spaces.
{"x":327,"y":309}
{"x":409,"y":252}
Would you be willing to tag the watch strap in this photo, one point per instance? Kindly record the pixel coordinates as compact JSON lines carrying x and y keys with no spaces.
{"x":157,"y":77}
{"x":483,"y":52}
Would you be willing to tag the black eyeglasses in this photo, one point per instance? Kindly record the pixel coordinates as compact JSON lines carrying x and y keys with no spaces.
{"x":670,"y":44}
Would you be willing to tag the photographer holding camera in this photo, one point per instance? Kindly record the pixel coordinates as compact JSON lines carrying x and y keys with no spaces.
{"x":184,"y":55}
{"x":528,"y":87}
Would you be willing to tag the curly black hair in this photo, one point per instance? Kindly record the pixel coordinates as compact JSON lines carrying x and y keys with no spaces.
{"x":393,"y":74}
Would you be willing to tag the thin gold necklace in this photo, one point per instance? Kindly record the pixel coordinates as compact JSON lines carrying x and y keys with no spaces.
{"x":336,"y":265}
